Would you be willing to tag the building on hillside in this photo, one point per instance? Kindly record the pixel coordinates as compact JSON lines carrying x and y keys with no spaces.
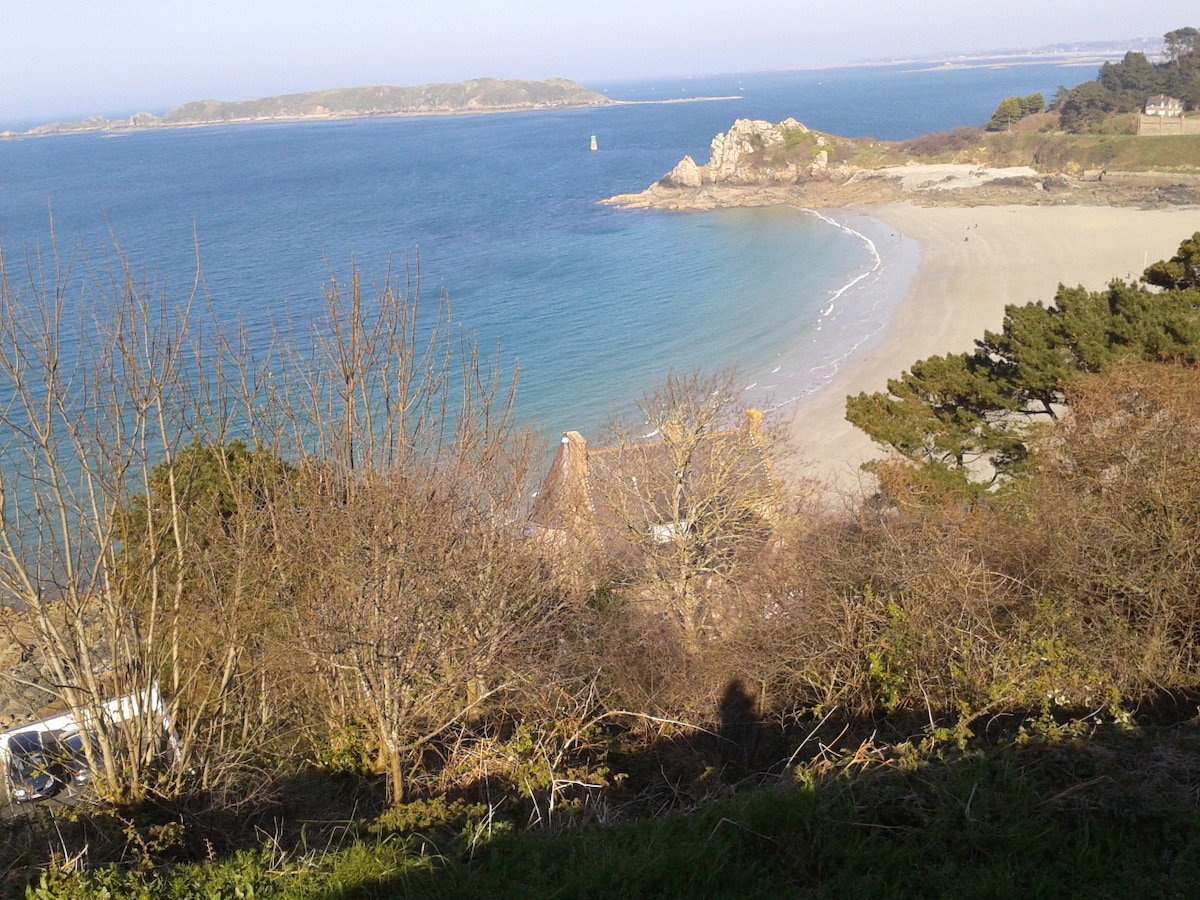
{"x":1162,"y":105}
{"x":625,"y":501}
{"x":1163,"y":115}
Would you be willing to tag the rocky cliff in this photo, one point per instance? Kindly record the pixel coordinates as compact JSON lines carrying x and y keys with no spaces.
{"x":755,"y":163}
{"x":756,"y":152}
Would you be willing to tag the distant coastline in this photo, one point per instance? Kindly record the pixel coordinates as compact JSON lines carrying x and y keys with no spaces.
{"x":1083,"y":53}
{"x":490,"y":95}
{"x":476,"y":97}
{"x":675,"y":100}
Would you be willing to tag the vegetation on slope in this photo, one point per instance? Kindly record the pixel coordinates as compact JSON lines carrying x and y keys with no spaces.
{"x":359,"y":640}
{"x":386,"y":677}
{"x":1125,"y":86}
{"x":478,"y":95}
{"x":969,"y":412}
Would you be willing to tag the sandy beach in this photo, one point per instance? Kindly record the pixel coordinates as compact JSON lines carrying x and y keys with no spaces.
{"x":974,"y":261}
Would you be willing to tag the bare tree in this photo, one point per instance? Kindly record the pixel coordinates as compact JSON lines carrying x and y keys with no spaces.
{"x":103,"y":383}
{"x":413,"y":588}
{"x":184,"y":520}
{"x":689,"y":504}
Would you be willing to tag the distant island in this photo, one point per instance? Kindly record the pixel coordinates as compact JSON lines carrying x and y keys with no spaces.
{"x":482,"y":95}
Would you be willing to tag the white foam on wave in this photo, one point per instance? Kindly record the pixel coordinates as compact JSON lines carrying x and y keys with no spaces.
{"x":876,"y":261}
{"x":870,"y":316}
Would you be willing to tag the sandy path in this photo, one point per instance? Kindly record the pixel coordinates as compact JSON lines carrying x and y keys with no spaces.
{"x":1011,"y":254}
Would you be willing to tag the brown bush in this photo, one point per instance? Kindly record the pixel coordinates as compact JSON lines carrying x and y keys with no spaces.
{"x":944,"y":143}
{"x":1111,"y":519}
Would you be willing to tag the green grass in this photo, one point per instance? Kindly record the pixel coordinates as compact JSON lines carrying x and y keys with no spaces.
{"x":1059,"y":815}
{"x":1119,"y":152}
{"x":1047,"y":152}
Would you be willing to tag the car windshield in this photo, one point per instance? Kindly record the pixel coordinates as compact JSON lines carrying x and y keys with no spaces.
{"x":28,"y":755}
{"x":75,"y":752}
{"x":33,"y":765}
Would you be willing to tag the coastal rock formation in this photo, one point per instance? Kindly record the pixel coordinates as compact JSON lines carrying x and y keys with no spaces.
{"x":751,"y":152}
{"x":739,"y":154}
{"x":143,"y":120}
{"x":27,"y":680}
{"x":24,"y":694}
{"x":685,"y":175}
{"x":756,"y":163}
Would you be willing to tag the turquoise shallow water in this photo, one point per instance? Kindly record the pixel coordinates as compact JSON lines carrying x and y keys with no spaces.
{"x":595,"y":303}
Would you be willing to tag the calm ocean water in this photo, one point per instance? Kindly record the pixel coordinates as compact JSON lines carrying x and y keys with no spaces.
{"x":596,"y":304}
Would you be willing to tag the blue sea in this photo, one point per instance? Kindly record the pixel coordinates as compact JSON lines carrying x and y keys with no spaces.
{"x":594,"y":304}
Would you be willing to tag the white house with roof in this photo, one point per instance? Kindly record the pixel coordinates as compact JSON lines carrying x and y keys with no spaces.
{"x":1162,"y":105}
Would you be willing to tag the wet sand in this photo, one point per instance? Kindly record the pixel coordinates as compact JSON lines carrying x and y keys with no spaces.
{"x":975,"y":261}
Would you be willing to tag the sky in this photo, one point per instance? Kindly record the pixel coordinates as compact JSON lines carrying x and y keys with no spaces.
{"x":70,"y":58}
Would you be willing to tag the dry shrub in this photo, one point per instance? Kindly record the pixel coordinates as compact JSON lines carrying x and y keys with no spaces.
{"x":1072,"y":588}
{"x":931,"y":604}
{"x":645,"y":666}
{"x":886,"y":611}
{"x":1111,"y":517}
{"x":802,"y":621}
{"x":944,"y":143}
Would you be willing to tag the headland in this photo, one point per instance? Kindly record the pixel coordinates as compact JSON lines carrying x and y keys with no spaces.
{"x":989,"y":235}
{"x":481,"y":95}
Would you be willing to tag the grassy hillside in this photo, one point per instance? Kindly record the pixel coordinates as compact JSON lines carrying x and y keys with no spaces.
{"x":480,"y":94}
{"x":1060,"y":812}
{"x":1062,"y":152}
{"x":1044,"y":148}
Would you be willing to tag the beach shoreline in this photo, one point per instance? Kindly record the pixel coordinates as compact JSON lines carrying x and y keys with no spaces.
{"x":852,"y":316}
{"x":974,"y":261}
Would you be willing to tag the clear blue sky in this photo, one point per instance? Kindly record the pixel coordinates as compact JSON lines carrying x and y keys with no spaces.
{"x":67,"y":58}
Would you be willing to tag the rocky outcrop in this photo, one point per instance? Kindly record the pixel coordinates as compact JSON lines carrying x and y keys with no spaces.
{"x":737,"y":154}
{"x":24,"y":683}
{"x":685,"y":175}
{"x":140,"y":120}
{"x":28,"y":689}
{"x":753,"y":152}
{"x":755,"y":163}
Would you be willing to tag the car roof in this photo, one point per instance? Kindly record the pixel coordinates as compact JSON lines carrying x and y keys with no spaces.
{"x":26,"y":740}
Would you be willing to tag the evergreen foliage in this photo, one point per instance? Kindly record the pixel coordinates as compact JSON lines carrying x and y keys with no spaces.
{"x":1181,"y":43}
{"x":1013,"y":109}
{"x":1006,"y":113}
{"x":1180,"y":272}
{"x":204,"y":486}
{"x":1125,"y":86}
{"x":1032,"y":104}
{"x":961,"y":411}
